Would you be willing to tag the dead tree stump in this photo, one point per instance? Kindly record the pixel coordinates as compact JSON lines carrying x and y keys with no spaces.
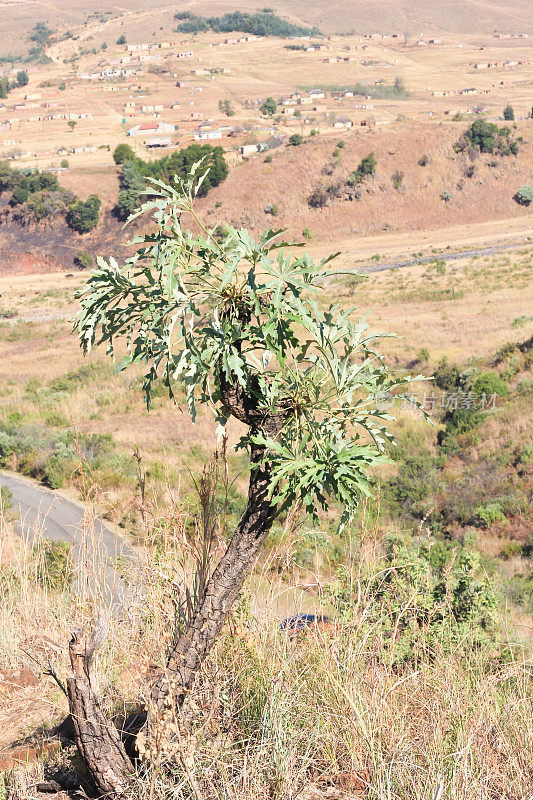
{"x":97,"y":738}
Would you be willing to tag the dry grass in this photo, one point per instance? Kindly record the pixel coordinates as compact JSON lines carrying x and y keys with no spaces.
{"x":323,"y":714}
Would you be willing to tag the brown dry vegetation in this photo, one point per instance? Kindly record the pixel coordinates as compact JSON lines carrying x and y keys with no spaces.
{"x":296,"y":171}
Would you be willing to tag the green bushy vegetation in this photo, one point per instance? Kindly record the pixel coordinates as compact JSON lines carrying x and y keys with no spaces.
{"x":135,"y":172}
{"x":83,"y":214}
{"x":36,"y":196}
{"x":431,"y":596}
{"x":258,"y":24}
{"x":487,"y":137}
{"x":365,"y":169}
{"x":524,"y":195}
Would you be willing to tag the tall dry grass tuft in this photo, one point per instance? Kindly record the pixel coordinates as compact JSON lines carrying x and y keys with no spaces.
{"x":328,"y":711}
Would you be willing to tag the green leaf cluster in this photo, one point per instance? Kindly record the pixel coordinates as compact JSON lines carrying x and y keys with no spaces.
{"x":205,"y":312}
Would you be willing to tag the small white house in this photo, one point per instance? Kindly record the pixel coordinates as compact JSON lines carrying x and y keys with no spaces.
{"x":209,"y":135}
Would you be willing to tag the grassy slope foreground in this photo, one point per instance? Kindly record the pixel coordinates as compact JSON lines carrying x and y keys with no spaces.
{"x":416,"y":690}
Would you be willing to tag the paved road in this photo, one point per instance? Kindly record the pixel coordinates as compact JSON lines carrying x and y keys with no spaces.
{"x":95,"y":547}
{"x":478,"y":252}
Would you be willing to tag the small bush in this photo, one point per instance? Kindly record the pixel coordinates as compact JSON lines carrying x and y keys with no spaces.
{"x":510,"y":550}
{"x":272,"y":209}
{"x":397,"y":179}
{"x":489,"y":383}
{"x":296,"y":139}
{"x":306,"y":233}
{"x":83,"y":215}
{"x":524,"y":195}
{"x":423,"y":161}
{"x":366,"y":168}
{"x":318,"y":198}
{"x":83,"y":260}
{"x":268,"y":160}
{"x":489,"y":513}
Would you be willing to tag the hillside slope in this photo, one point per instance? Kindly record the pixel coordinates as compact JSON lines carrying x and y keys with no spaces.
{"x":294,"y":172}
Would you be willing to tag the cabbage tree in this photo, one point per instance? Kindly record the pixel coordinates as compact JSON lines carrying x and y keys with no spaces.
{"x":240,"y":326}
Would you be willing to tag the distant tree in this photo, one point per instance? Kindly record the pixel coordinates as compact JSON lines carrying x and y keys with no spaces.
{"x":22,"y":78}
{"x":508,"y":113}
{"x":62,"y":86}
{"x":4,"y":88}
{"x":132,"y":183}
{"x":296,"y":139}
{"x":366,"y":168}
{"x":260,"y":24}
{"x":83,"y":215}
{"x":64,"y":163}
{"x":72,"y":124}
{"x":121,"y":39}
{"x":226,"y":108}
{"x":104,"y":45}
{"x":306,"y":233}
{"x":269,"y":107}
{"x":123,"y":152}
{"x":135,"y":173}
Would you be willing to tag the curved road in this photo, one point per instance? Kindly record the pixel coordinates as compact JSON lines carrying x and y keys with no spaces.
{"x":477,"y":252}
{"x":100,"y":552}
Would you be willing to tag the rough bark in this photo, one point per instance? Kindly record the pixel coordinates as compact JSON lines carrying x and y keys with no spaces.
{"x":235,"y":565}
{"x":222,"y":589}
{"x":97,"y":738}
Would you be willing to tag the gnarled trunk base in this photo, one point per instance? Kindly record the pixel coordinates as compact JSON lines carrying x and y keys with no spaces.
{"x":98,"y":740}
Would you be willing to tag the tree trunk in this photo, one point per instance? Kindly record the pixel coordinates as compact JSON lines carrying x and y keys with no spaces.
{"x":97,"y":738}
{"x":223,"y":587}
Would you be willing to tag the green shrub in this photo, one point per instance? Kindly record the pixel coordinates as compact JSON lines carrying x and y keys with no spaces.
{"x":269,"y":107}
{"x":366,"y":168}
{"x":524,"y":195}
{"x":486,"y":137}
{"x":489,"y":513}
{"x":268,"y":160}
{"x":489,"y":383}
{"x":83,"y":215}
{"x":55,"y":471}
{"x":424,"y":603}
{"x":54,"y":567}
{"x":122,"y":153}
{"x":510,"y":550}
{"x":83,"y":260}
{"x":306,"y":233}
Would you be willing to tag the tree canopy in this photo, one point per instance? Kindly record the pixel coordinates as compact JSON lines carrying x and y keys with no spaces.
{"x":239,"y":316}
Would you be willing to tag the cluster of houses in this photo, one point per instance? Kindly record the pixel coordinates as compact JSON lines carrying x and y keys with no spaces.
{"x":498,"y":64}
{"x":107,"y":74}
{"x":511,"y":35}
{"x":241,"y":40}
